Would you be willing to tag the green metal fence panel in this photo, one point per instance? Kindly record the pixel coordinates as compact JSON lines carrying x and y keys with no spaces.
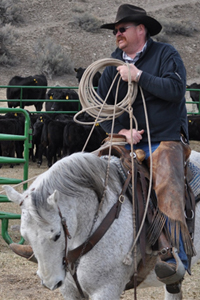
{"x":74,"y":100}
{"x":6,"y":216}
{"x":194,"y":102}
{"x":41,"y":100}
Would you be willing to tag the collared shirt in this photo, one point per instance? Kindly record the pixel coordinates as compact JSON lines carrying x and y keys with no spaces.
{"x":131,"y":60}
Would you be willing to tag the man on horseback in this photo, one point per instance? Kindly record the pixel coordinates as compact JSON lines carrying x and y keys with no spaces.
{"x":160,"y":72}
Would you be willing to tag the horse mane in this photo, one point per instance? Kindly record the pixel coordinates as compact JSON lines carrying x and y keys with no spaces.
{"x":70,"y":175}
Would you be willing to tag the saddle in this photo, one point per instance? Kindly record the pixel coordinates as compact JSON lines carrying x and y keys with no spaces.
{"x":141,"y":182}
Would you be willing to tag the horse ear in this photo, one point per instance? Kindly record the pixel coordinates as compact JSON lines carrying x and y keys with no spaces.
{"x":53,"y":199}
{"x":12,"y":194}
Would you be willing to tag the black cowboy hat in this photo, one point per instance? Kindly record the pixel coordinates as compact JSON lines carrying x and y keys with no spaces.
{"x":131,"y":13}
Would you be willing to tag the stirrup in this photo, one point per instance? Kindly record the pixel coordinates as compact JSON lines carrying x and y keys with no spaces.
{"x":174,"y":288}
{"x":177,"y":277}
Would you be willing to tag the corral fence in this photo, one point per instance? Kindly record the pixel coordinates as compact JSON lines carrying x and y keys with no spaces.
{"x":27,"y":138}
{"x":21,"y":100}
{"x":197,"y":103}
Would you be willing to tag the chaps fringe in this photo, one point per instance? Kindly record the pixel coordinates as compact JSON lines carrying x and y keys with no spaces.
{"x":174,"y":229}
{"x":156,"y":227}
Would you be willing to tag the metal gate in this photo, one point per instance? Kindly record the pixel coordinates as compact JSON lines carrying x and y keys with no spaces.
{"x":6,"y":216}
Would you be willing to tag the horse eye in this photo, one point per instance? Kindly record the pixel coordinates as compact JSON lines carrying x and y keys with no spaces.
{"x":57,"y":237}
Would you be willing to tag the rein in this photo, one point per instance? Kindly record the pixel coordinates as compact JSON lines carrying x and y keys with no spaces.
{"x":72,"y":256}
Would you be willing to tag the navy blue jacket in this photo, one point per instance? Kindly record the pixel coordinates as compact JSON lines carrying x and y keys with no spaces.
{"x":163,"y":82}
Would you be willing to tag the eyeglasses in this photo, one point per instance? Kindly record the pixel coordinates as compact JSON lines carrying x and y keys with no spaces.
{"x":122,"y":29}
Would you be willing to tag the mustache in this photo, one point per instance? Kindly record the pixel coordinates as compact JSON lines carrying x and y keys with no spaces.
{"x":119,"y":38}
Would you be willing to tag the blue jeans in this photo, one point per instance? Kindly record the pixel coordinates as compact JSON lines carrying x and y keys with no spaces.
{"x":181,"y":253}
{"x":145,"y":147}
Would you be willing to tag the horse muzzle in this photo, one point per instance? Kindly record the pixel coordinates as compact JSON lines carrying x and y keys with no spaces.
{"x":52,"y":288}
{"x":51,"y":282}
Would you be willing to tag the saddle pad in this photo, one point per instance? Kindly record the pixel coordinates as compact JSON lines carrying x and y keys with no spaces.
{"x":115,"y":160}
{"x":194,"y":166}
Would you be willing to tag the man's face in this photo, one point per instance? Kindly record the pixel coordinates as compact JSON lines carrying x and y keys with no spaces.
{"x":130,"y":37}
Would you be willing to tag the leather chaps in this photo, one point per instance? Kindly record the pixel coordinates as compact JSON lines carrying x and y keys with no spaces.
{"x":169,"y":167}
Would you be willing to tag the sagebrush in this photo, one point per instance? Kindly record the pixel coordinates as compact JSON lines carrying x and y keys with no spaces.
{"x":51,"y":58}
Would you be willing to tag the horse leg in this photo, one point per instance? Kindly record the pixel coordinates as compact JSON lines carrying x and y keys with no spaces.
{"x":106,"y":292}
{"x":169,"y":296}
{"x":69,"y":291}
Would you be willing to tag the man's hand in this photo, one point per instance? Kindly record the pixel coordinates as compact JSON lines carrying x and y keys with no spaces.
{"x":136,"y":135}
{"x":124,"y":72}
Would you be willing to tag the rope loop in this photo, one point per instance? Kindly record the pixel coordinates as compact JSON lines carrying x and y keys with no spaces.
{"x":93,"y":104}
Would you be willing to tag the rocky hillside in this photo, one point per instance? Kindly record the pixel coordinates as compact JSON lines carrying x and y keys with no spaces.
{"x":65,"y":23}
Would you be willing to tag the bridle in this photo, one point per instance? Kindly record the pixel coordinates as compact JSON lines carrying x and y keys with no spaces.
{"x":65,"y":260}
{"x":71,"y":257}
{"x":66,"y":234}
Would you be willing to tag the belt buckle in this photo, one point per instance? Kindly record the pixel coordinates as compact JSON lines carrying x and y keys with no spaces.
{"x":133,"y":154}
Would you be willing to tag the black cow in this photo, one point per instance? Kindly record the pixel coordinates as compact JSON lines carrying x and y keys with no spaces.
{"x":194,"y":94}
{"x":40,"y":137}
{"x":19,"y":127}
{"x":75,"y":135}
{"x":50,"y":96}
{"x":37,"y":121}
{"x":11,"y":124}
{"x":62,"y":94}
{"x":8,"y":150}
{"x":55,"y":140}
{"x":79,"y":74}
{"x":27,"y":93}
{"x":194,"y":127}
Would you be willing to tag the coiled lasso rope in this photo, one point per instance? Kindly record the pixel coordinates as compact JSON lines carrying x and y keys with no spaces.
{"x":97,"y":107}
{"x":93,"y":104}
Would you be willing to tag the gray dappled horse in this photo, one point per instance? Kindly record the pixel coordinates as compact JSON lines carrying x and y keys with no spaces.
{"x":58,"y":215}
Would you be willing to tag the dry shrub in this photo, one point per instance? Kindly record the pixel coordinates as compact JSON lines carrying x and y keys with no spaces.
{"x":8,"y":36}
{"x":176,"y":27}
{"x":163,"y":38}
{"x":10,"y":15}
{"x":78,"y":9}
{"x":10,"y":12}
{"x":198,"y":69}
{"x":88,"y":22}
{"x":52,"y":59}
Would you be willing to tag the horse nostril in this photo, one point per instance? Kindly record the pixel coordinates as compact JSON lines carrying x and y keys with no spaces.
{"x":55,"y":287}
{"x":59,"y":284}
